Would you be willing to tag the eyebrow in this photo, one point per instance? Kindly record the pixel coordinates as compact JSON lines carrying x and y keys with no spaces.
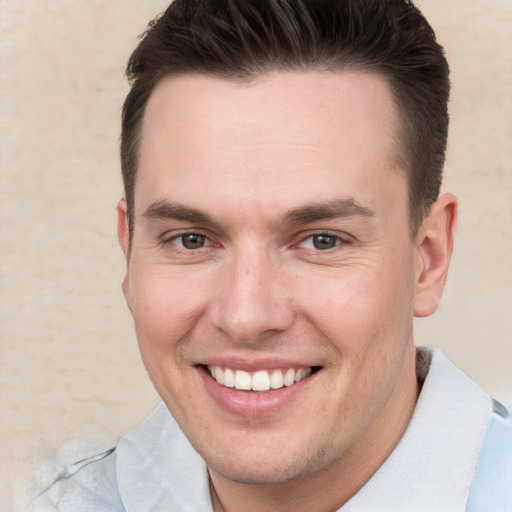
{"x":346,"y":207}
{"x":165,"y":210}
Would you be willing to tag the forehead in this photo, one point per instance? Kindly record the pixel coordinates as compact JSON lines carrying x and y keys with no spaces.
{"x":287,"y":131}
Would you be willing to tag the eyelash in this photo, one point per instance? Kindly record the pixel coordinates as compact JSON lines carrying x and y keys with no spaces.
{"x":172,"y":240}
{"x":339,"y":241}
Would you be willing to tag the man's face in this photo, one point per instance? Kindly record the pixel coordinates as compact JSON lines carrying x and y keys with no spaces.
{"x":271,"y":244}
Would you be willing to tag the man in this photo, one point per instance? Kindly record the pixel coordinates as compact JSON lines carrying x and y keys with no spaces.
{"x":282,"y":226}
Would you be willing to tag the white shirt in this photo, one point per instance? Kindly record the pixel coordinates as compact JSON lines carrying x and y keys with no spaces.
{"x":455,"y":456}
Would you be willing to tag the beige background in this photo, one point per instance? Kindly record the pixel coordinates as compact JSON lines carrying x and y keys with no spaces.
{"x":68,"y":355}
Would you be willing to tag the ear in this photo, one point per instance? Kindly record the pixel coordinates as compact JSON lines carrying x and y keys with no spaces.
{"x":434,"y":245}
{"x":123,"y":231}
{"x":123,"y":235}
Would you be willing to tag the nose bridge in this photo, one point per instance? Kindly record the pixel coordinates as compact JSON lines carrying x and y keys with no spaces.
{"x":251,"y":299}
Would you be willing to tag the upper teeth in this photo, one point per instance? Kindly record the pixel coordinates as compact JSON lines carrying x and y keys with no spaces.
{"x":262,"y":380}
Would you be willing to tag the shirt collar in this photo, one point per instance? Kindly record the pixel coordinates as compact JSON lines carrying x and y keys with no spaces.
{"x":157,"y":468}
{"x":433,"y":465}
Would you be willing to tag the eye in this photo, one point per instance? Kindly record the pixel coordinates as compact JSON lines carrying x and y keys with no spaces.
{"x":321,"y":241}
{"x":191,"y":241}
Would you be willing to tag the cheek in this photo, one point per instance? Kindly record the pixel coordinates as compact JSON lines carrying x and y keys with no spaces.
{"x":355,"y":307}
{"x":164,"y":307}
{"x":165,"y":313}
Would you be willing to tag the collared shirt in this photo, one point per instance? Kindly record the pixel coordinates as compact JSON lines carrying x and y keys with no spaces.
{"x":455,"y":456}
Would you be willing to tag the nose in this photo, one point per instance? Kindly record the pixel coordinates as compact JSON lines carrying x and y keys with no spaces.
{"x":252,"y":300}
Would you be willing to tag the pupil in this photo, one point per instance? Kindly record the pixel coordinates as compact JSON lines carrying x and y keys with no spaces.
{"x":324,"y":241}
{"x":193,"y":241}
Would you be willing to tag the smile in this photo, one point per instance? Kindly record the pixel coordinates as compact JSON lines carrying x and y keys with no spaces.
{"x":261,"y":380}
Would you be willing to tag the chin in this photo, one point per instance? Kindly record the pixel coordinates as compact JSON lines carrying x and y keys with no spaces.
{"x":268,"y":469}
{"x":252,"y":476}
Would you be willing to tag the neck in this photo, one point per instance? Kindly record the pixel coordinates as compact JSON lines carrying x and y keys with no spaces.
{"x":329,"y":489}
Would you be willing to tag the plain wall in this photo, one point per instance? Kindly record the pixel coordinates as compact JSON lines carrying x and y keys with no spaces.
{"x":68,"y":353}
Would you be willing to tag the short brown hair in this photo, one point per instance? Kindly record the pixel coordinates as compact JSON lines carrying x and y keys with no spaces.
{"x":240,"y":39}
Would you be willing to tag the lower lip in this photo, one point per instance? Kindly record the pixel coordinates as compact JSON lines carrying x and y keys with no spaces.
{"x":253,"y":404}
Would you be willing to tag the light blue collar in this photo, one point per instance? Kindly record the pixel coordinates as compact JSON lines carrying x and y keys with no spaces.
{"x":433,"y":465}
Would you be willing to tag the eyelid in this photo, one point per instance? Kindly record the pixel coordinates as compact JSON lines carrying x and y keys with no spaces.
{"x":168,"y":238}
{"x":171,"y":237}
{"x":342,"y":238}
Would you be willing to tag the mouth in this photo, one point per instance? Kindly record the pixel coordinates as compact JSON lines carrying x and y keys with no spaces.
{"x":259,"y":380}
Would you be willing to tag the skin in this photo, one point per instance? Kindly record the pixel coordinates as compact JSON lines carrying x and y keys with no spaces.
{"x":261,"y":169}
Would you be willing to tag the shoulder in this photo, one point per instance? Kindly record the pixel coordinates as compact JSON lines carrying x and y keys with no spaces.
{"x":83,"y":486}
{"x":490,"y":449}
{"x":154,"y":467}
{"x":492,"y":485}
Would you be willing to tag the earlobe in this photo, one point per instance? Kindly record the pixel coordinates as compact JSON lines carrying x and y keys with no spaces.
{"x":434,"y":245}
{"x":123,"y":231}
